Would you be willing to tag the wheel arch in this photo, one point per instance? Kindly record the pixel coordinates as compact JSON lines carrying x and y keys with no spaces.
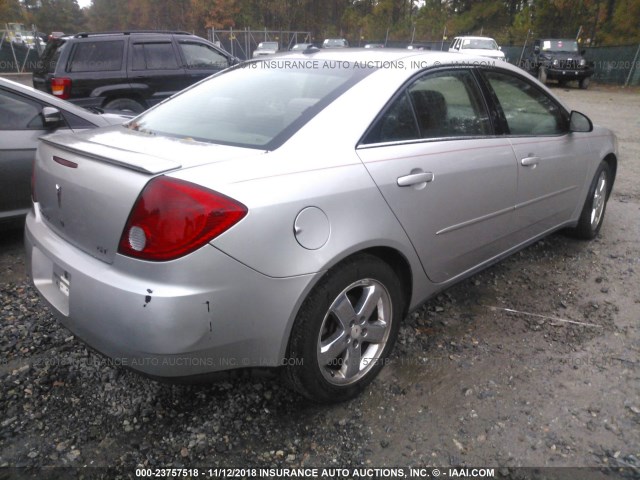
{"x":391,"y":256}
{"x":400,"y":265}
{"x":136,"y":97}
{"x":611,"y":160}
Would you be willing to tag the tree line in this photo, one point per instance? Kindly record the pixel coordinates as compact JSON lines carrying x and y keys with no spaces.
{"x":595,"y":22}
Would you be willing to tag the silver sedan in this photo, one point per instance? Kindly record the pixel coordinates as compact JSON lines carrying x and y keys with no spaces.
{"x":290,"y":212}
{"x":25,"y":115}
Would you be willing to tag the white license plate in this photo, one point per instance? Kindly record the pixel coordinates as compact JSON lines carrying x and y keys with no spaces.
{"x":63,"y":284}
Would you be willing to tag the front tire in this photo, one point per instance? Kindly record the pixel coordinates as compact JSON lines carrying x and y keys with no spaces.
{"x":345,"y":330}
{"x":584,"y":83}
{"x":542,"y":75}
{"x":595,"y":205}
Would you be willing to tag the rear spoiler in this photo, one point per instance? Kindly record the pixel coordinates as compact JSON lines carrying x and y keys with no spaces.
{"x":139,"y":162}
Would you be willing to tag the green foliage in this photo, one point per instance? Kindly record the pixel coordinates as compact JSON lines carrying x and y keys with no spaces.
{"x":599,"y":21}
{"x":10,"y":12}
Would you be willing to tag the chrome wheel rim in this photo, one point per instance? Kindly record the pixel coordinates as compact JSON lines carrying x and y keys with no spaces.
{"x":354,"y":332}
{"x":599,"y":199}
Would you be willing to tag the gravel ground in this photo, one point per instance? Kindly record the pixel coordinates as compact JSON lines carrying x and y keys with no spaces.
{"x":468,"y":383}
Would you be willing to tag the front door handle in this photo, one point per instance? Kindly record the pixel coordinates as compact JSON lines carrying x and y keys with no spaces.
{"x":415,"y":178}
{"x":530,"y":161}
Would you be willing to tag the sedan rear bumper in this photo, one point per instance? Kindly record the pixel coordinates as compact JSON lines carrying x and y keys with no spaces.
{"x":203,"y":313}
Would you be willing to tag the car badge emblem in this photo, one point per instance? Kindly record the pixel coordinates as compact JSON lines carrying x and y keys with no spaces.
{"x":59,"y":195}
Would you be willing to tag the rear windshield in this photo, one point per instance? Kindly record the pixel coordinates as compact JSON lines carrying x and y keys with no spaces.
{"x":255,"y":105}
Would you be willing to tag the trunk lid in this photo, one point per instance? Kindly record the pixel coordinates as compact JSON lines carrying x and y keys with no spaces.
{"x":85,"y":187}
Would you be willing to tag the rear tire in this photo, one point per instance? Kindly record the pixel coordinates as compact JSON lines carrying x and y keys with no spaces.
{"x":125,"y":105}
{"x":345,"y":330}
{"x":584,"y":83}
{"x":595,"y":205}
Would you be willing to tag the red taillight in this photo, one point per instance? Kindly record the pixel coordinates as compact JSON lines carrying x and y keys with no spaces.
{"x":61,"y":87}
{"x":172,"y":218}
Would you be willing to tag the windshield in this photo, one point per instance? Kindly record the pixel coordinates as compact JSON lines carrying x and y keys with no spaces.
{"x":255,"y":105}
{"x":335,"y":42}
{"x":569,"y":46}
{"x":268,"y":46}
{"x":479,"y":44}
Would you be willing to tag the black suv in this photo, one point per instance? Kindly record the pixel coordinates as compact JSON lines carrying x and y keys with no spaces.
{"x":127,"y":71}
{"x":558,"y":59}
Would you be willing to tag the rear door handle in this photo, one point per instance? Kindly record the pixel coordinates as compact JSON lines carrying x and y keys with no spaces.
{"x":530,"y":161}
{"x":415,"y":178}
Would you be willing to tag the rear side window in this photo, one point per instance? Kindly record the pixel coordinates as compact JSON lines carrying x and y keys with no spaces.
{"x":449,"y":104}
{"x":437,"y":105}
{"x":101,"y":56}
{"x":154,"y":56}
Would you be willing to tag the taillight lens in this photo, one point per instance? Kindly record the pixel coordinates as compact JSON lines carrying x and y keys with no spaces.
{"x":172,"y":218}
{"x":61,"y":87}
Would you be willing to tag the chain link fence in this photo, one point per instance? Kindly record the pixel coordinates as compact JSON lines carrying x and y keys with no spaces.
{"x":617,"y":65}
{"x":18,"y":52}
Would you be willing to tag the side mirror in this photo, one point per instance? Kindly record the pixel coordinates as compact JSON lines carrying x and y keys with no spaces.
{"x":579,"y":122}
{"x":52,"y":117}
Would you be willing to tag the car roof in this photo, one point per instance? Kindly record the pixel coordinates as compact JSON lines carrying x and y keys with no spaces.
{"x":385,"y":55}
{"x":413,"y":61}
{"x":131,"y":32}
{"x":472,"y":37}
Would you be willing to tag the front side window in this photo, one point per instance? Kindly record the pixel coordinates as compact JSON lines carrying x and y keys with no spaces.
{"x":438,"y":105}
{"x":18,"y":113}
{"x":100,"y":56}
{"x":527,"y":110}
{"x":197,"y":55}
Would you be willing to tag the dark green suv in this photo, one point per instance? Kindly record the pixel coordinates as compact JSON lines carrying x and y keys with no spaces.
{"x":558,"y":59}
{"x":126,"y":71}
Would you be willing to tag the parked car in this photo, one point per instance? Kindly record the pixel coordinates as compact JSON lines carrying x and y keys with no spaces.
{"x":293,"y":216}
{"x":266,"y":48}
{"x":25,"y":115}
{"x":301,"y":46}
{"x":128,"y":71}
{"x":418,"y":46}
{"x":335,"y":43}
{"x":483,"y":46}
{"x":374,"y":45}
{"x":558,"y":59}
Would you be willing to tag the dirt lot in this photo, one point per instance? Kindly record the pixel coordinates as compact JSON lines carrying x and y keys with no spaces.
{"x":468,"y":384}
